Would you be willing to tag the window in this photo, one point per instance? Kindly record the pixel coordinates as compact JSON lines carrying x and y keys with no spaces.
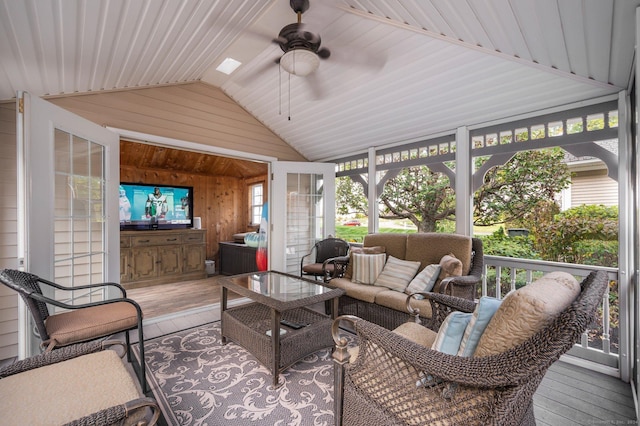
{"x":256,"y":200}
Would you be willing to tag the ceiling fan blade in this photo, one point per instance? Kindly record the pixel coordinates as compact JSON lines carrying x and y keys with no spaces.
{"x":324,"y":53}
{"x":246,"y":78}
{"x":360,"y":59}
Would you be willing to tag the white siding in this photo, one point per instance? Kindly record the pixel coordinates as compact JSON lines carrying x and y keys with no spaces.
{"x":8,"y":224}
{"x":593,"y":187}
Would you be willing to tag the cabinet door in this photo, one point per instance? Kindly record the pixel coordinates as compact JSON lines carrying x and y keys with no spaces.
{"x":143,"y":263}
{"x":194,"y":257}
{"x":125,"y":265}
{"x":169,"y":260}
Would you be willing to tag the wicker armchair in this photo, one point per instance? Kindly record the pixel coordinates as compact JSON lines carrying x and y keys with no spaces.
{"x":81,"y":322}
{"x":382,"y":385}
{"x":321,"y":265}
{"x":100,"y":390}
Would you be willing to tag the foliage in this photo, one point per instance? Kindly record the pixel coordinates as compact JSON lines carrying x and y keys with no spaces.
{"x":355,"y":234}
{"x":350,"y":197}
{"x":420,"y":195}
{"x":425,"y":197}
{"x":510,"y":191}
{"x":585,"y":234}
{"x":499,"y":244}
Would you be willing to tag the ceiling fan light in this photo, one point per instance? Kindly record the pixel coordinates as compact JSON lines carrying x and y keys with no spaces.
{"x":300,"y":62}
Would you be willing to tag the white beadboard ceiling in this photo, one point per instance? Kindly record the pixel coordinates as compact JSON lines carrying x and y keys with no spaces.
{"x":399,"y":69}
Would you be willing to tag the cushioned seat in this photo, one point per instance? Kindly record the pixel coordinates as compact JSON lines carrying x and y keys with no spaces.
{"x":78,"y":322}
{"x":74,"y":383}
{"x":398,"y":301}
{"x":84,"y":324}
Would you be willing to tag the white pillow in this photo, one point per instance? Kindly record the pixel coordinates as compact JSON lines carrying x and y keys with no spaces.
{"x":367,"y":267}
{"x":424,"y":281}
{"x":397,"y":273}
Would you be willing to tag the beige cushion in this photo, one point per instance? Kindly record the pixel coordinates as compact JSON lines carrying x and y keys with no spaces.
{"x":60,"y":393}
{"x":526,"y":311}
{"x":450,"y":266}
{"x":416,"y":333}
{"x":80,"y":325}
{"x":394,"y":244}
{"x":398,"y":301}
{"x":397,"y":274}
{"x":429,"y":247}
{"x":362,"y":250}
{"x":366,"y":293}
{"x":367,"y":267}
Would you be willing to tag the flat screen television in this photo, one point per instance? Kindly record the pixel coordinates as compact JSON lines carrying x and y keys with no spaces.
{"x":147,"y":206}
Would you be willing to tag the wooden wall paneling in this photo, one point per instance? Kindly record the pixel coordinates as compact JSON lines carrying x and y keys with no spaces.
{"x":195,"y":112}
{"x":217,"y":200}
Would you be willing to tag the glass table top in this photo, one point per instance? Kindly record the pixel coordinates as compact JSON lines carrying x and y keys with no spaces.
{"x":279,"y":286}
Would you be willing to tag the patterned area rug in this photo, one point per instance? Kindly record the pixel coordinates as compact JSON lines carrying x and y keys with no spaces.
{"x":199,"y":381}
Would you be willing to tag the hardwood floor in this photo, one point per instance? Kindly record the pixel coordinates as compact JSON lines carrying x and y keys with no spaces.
{"x":164,"y":299}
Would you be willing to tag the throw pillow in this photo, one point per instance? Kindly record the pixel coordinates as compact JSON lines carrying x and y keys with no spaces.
{"x":362,"y":250}
{"x":424,"y":281}
{"x":367,"y":267}
{"x":451,"y":333}
{"x":526,"y":311}
{"x":482,"y":314}
{"x":450,"y":266}
{"x":397,"y":273}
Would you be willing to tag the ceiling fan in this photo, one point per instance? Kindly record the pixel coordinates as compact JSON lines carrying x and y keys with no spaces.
{"x":302,"y":51}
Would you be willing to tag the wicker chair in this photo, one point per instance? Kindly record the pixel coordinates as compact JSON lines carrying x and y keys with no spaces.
{"x":380,"y":386}
{"x":99,"y":391}
{"x":79,"y":323}
{"x":321,"y":265}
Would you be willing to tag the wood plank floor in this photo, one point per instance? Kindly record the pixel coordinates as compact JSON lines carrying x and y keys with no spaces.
{"x":167,"y":299}
{"x":568,"y":395}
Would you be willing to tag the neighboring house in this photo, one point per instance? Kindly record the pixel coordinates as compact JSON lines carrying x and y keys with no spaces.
{"x":590,"y":183}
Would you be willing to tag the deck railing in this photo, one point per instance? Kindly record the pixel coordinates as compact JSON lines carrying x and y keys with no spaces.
{"x":596,"y":344}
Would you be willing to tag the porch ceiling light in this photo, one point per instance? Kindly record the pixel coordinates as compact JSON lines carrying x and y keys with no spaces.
{"x":300,"y":62}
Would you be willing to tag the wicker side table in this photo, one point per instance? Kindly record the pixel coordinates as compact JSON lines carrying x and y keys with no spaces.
{"x":256,"y":326}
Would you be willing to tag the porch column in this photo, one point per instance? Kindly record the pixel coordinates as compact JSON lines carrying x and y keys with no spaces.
{"x":464,"y":175}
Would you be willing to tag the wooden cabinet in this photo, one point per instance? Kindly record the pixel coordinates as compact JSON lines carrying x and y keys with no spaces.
{"x":158,"y":257}
{"x":237,"y":258}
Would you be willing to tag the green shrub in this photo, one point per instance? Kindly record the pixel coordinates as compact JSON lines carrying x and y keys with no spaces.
{"x":499,"y":244}
{"x":571,"y":236}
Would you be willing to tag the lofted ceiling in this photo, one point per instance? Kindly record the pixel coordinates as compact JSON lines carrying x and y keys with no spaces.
{"x":399,"y":70}
{"x":142,"y":156}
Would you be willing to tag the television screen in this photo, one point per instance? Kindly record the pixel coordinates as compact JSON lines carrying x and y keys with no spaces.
{"x":145,"y":206}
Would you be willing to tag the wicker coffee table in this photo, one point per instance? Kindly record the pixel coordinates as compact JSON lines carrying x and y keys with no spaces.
{"x":278,"y":328}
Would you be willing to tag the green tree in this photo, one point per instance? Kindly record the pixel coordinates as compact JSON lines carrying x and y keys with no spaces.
{"x":511,"y":191}
{"x":350,"y":197}
{"x":420,"y":195}
{"x":426,"y":198}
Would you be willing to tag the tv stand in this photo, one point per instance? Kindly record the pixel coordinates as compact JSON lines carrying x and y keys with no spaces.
{"x":161,"y":256}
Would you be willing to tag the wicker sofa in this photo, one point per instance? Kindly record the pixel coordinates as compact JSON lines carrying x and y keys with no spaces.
{"x":397,"y":378}
{"x":388,"y":308}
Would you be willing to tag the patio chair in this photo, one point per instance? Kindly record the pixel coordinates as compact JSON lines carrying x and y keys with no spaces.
{"x":395,"y":380}
{"x":79,"y":323}
{"x":81,"y":384}
{"x":321,"y":265}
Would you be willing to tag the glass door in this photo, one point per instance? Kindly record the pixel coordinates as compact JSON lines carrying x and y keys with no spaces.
{"x":303,"y":208}
{"x":68,"y":212}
